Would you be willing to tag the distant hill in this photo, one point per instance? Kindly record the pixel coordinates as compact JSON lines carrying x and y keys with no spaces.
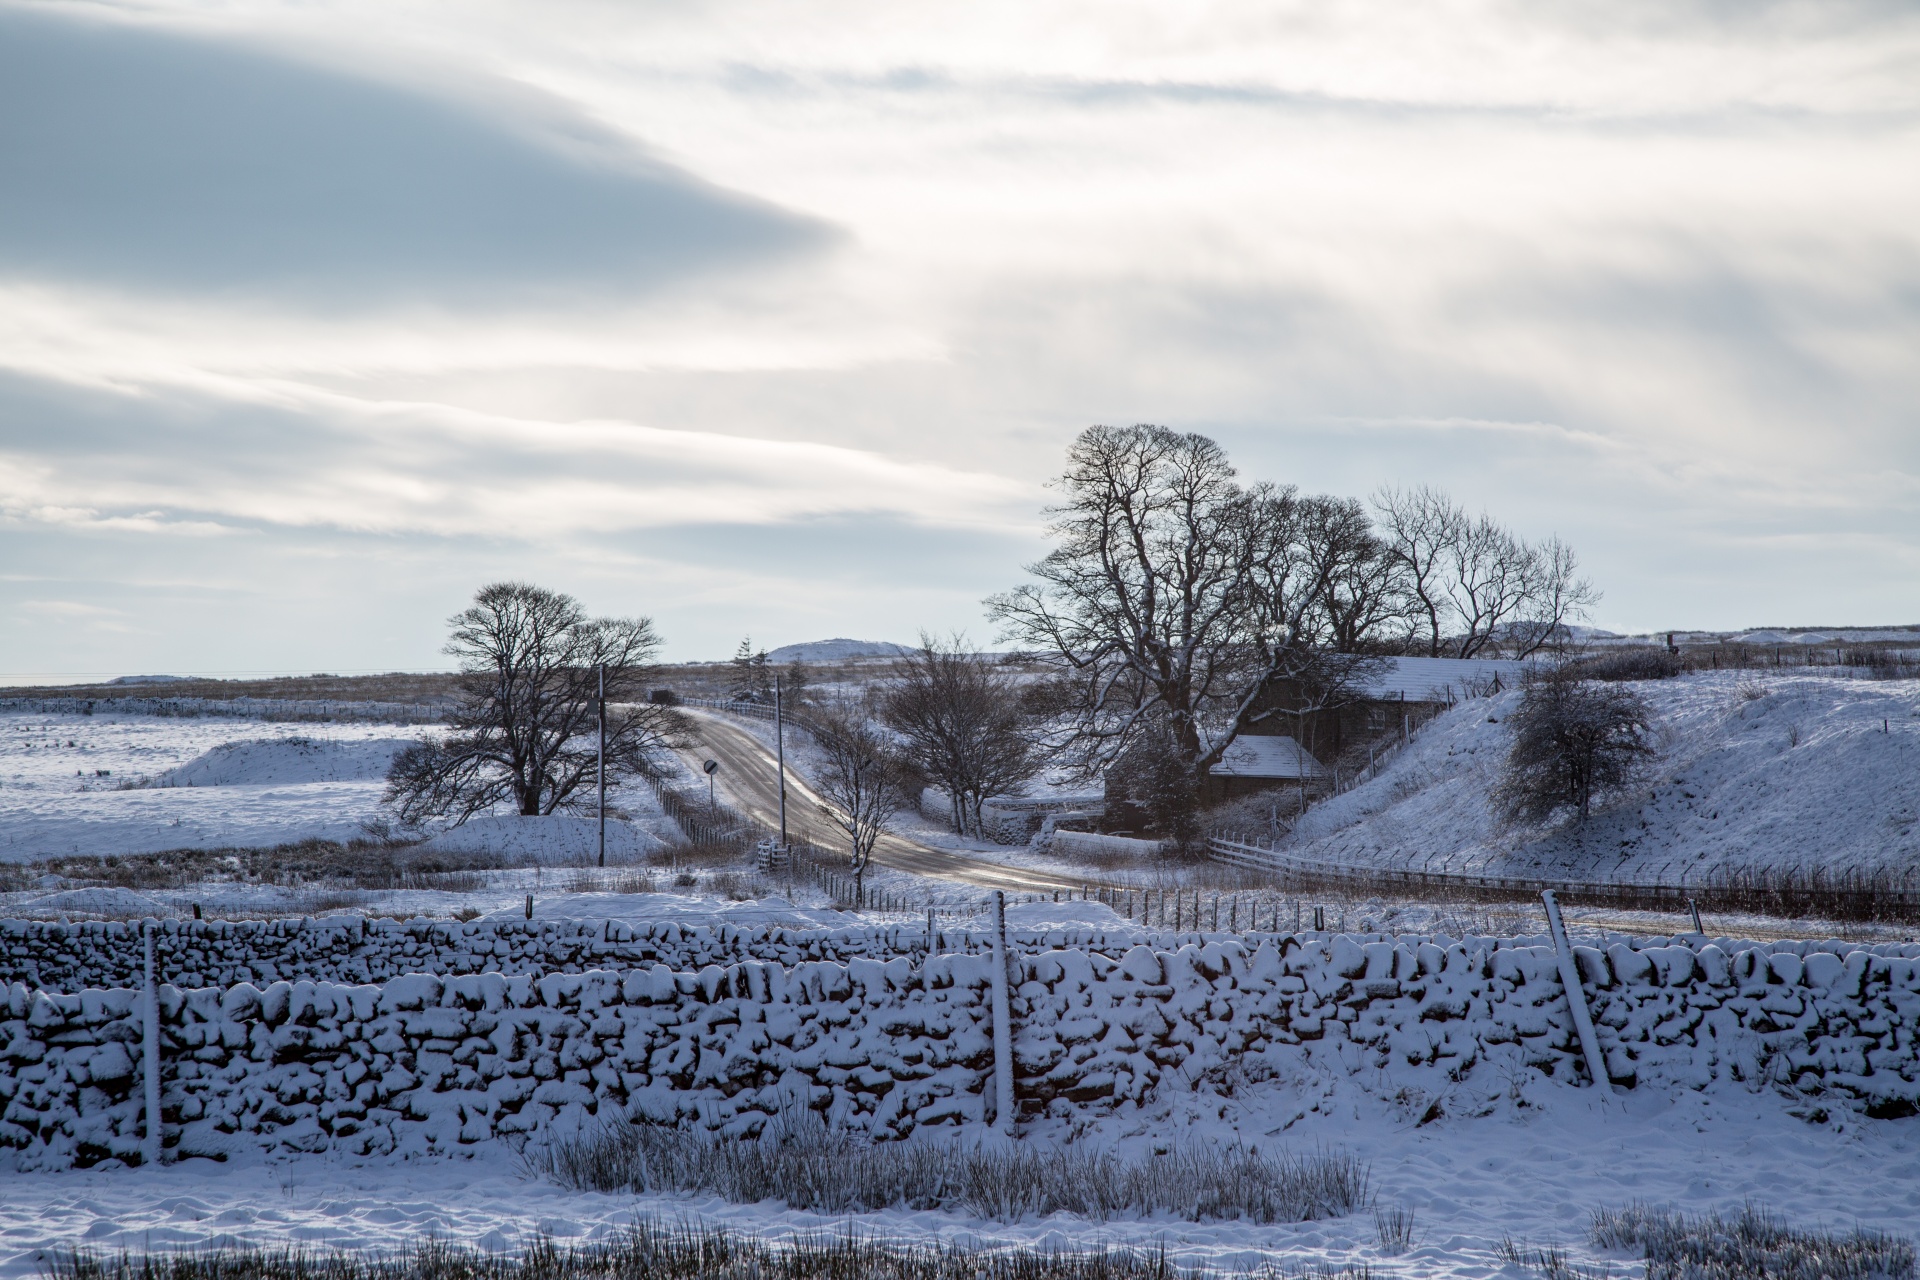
{"x":837,"y":650}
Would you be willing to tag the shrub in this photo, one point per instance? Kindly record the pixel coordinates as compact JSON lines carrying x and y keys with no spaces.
{"x":1152,"y":787}
{"x":1631,"y":664}
{"x":1573,"y":740}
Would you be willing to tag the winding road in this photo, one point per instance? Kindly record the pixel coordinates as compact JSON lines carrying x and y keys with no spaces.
{"x":746,"y":780}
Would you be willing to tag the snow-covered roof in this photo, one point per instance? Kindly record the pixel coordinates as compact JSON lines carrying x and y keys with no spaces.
{"x":1439,"y":679}
{"x":1264,"y":756}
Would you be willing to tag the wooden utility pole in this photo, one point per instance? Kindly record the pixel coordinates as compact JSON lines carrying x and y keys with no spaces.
{"x":780,"y":758}
{"x":600,"y":760}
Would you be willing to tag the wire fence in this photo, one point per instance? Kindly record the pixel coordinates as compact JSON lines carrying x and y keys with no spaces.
{"x":1874,"y":896}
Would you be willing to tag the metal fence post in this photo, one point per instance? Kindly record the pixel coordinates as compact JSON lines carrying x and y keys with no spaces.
{"x":1002,"y":1021}
{"x":1576,"y":995}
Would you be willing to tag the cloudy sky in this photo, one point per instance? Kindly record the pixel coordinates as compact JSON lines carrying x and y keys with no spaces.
{"x":773,"y":319}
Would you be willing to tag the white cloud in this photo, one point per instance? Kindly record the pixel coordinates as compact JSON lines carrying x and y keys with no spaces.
{"x":1601,"y":269}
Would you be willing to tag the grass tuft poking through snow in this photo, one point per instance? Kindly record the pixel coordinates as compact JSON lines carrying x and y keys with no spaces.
{"x":1550,"y":1261}
{"x":650,"y":1251}
{"x":1394,"y":1224}
{"x":1749,"y":1245}
{"x":815,"y":1169}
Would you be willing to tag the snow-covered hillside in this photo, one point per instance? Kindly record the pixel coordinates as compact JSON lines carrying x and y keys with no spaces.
{"x":837,"y":650}
{"x":1754,"y":770}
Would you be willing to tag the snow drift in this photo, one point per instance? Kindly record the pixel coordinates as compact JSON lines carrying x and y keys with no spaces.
{"x":282,"y":761}
{"x":1754,"y":771}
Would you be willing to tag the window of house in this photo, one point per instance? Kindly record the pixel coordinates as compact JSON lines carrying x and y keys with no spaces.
{"x":1376,"y":718}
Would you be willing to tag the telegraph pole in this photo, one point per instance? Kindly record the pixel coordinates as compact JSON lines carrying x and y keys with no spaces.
{"x":780,"y":758}
{"x":600,"y":761}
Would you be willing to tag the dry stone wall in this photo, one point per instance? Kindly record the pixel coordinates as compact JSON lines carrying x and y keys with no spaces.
{"x":426,"y":1063}
{"x":354,"y":949}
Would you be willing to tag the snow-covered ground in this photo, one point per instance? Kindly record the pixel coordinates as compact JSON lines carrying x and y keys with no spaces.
{"x":1754,"y":770}
{"x":1532,"y":1170}
{"x":188,"y":782}
{"x":124,"y":784}
{"x":839,"y":649}
{"x":1522,"y":1157}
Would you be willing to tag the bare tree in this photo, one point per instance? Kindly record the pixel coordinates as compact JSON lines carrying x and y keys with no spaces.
{"x":1555,"y":596}
{"x":1172,"y":597}
{"x":1473,"y":585}
{"x":965,"y":724}
{"x":1365,"y":605}
{"x":1420,"y":526}
{"x":860,"y":780}
{"x":1573,"y":740}
{"x":1489,"y":575}
{"x":525,"y":729}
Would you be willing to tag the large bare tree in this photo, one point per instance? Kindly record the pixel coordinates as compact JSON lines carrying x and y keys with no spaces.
{"x":525,"y":732}
{"x":860,"y":779}
{"x":1364,"y":606}
{"x":964,"y":722}
{"x":1172,"y":597}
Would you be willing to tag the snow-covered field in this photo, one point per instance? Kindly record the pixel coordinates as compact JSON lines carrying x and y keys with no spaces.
{"x":1755,"y":770}
{"x":124,"y":784}
{"x":1531,"y":1171}
{"x":1781,"y":771}
{"x":203,"y":782}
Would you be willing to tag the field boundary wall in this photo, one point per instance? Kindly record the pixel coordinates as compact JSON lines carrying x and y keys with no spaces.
{"x":278,"y":709}
{"x":426,"y":1063}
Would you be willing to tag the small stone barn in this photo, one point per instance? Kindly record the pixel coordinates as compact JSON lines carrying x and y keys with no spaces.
{"x":1312,"y":732}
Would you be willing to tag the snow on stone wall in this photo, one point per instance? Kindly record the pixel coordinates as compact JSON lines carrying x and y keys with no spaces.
{"x":424,"y":1063}
{"x":218,"y":953}
{"x":295,"y":709}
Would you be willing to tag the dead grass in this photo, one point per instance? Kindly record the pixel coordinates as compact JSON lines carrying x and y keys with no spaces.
{"x":646,"y":1251}
{"x":801,"y":1161}
{"x":358,"y":864}
{"x":1752,"y":1244}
